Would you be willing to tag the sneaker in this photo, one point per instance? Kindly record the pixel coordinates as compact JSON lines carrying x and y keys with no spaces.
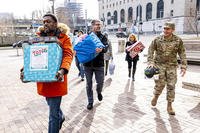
{"x":100,"y":97}
{"x":90,"y":106}
{"x":63,"y":119}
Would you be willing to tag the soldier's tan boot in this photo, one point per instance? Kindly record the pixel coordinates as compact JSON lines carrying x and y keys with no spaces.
{"x":170,"y":109}
{"x":154,"y":100}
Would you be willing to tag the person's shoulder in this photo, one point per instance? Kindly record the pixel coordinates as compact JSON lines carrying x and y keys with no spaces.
{"x":176,"y":37}
{"x":157,"y":38}
{"x":64,"y":36}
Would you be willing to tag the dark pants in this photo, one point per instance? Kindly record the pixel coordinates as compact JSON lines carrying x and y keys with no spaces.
{"x":99,"y":76}
{"x":130,"y":63}
{"x":55,"y":114}
{"x":80,"y":67}
{"x":106,"y":66}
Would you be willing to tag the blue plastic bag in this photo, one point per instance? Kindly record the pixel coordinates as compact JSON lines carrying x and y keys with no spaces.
{"x":86,"y":49}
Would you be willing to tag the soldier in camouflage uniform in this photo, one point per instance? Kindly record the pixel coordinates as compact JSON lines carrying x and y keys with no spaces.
{"x":162,"y":54}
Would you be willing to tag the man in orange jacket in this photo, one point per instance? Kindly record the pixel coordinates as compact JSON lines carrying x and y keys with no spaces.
{"x":53,"y":91}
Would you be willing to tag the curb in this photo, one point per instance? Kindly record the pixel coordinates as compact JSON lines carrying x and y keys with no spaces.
{"x":191,"y":86}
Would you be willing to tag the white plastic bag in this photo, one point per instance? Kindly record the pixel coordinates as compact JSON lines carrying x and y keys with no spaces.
{"x":111,"y":67}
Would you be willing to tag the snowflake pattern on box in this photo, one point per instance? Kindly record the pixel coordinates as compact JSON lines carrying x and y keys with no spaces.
{"x":41,"y":62}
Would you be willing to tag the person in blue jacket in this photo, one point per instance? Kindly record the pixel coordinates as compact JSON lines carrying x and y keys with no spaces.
{"x":78,"y":64}
{"x":96,"y":66}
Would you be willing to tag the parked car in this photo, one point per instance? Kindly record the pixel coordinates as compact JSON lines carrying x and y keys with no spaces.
{"x":17,"y":44}
{"x":121,"y":34}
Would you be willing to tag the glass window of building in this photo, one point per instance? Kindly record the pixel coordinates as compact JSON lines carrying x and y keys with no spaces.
{"x":149,"y":11}
{"x":172,"y":1}
{"x":122,"y":16}
{"x":130,"y":14}
{"x":198,"y":5}
{"x":139,"y":13}
{"x":120,"y":2}
{"x":160,"y":9}
{"x":115,"y":17}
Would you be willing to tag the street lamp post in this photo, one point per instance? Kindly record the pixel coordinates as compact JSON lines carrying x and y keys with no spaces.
{"x":138,"y":31}
{"x":104,"y":26}
{"x":86,"y":27}
{"x":112,"y":19}
{"x":52,"y":7}
{"x":154,"y":31}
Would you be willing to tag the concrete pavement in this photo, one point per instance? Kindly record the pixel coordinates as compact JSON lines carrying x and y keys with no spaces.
{"x":125,"y":107}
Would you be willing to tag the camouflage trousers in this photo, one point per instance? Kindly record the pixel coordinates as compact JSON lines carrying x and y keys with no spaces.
{"x":167,"y":77}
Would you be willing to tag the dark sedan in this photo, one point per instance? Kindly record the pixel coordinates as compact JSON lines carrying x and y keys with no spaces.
{"x":121,"y":35}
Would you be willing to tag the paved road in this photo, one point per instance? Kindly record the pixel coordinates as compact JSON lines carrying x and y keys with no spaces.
{"x":125,"y":107}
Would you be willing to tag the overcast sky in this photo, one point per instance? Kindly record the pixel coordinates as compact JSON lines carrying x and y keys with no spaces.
{"x":25,"y":7}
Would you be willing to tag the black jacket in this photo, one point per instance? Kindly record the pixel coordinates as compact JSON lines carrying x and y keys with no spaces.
{"x":128,"y":57}
{"x":98,"y":61}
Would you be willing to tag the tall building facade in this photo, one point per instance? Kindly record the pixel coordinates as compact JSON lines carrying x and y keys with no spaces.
{"x":149,"y":15}
{"x":71,"y":13}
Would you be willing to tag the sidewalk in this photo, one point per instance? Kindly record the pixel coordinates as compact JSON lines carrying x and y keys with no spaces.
{"x":125,"y":107}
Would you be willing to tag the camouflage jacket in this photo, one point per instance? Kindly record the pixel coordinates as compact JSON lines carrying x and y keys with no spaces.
{"x":164,"y":51}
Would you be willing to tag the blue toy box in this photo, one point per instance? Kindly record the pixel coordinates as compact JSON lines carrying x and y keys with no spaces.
{"x":41,"y":62}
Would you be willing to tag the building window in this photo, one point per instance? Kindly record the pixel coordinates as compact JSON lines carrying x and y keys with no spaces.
{"x":115,"y":17}
{"x":160,"y":9}
{"x":116,"y":3}
{"x":107,"y":6}
{"x":122,"y":16}
{"x":127,"y":1}
{"x":139,"y":13}
{"x":172,"y":13}
{"x":149,"y":11}
{"x":130,"y":14}
{"x":102,"y":7}
{"x":198,"y":5}
{"x":110,"y":5}
{"x":172,"y":1}
{"x":113,"y":4}
{"x":120,"y":2}
{"x":108,"y":18}
{"x":124,"y":1}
